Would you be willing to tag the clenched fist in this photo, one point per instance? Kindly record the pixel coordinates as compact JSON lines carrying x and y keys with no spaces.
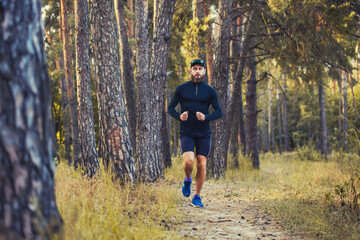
{"x":200,"y":116}
{"x":184,"y":116}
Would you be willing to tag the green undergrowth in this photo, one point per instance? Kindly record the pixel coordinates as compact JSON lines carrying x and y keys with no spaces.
{"x":99,"y":208}
{"x":316,"y":198}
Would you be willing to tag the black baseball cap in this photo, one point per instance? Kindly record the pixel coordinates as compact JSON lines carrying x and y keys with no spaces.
{"x":197,"y":61}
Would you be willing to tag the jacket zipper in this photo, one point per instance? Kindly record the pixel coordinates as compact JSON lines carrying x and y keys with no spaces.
{"x":196,"y":89}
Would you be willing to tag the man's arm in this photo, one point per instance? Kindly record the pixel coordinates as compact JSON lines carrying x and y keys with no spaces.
{"x":173,"y":103}
{"x":217,"y":113}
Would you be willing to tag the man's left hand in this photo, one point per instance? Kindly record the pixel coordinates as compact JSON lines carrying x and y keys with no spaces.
{"x":200,"y":116}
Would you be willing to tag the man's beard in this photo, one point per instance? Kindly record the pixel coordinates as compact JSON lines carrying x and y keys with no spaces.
{"x":197,"y":80}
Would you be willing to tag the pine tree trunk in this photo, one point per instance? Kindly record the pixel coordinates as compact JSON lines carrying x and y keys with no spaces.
{"x":69,"y":85}
{"x":323,"y":127}
{"x":209,"y":49}
{"x":27,"y":199}
{"x":199,"y":12}
{"x":285,"y":118}
{"x":235,"y":110}
{"x":352,"y":93}
{"x":116,"y":149}
{"x":143,"y":128}
{"x":175,"y":138}
{"x":64,"y":101}
{"x":127,"y":71}
{"x":90,"y":160}
{"x":340,"y":139}
{"x":130,"y":25}
{"x":166,"y":131}
{"x":163,"y":15}
{"x":264,"y":132}
{"x":278,"y":100}
{"x":344,"y":107}
{"x":251,"y":114}
{"x":270,"y":119}
{"x":220,"y":81}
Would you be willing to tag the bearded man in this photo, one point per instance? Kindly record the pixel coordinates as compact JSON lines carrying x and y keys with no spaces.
{"x":195,"y":98}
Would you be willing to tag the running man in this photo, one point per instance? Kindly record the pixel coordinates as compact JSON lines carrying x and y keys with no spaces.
{"x":195,"y":97}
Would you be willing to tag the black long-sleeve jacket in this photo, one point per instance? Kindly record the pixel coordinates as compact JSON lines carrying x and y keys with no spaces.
{"x":195,"y":97}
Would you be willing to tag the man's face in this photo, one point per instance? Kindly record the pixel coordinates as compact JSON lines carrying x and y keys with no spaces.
{"x":197,"y":73}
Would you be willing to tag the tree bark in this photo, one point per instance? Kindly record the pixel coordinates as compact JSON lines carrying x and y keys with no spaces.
{"x":340,"y":139}
{"x":285,"y":118}
{"x":278,"y":100}
{"x":236,"y":109}
{"x":166,"y":131}
{"x":199,"y":12}
{"x":270,"y":119}
{"x":130,"y":25}
{"x":127,"y":71}
{"x":209,"y":49}
{"x":344,"y":108}
{"x":116,"y":149}
{"x":143,"y":128}
{"x":27,"y":199}
{"x":323,"y":127}
{"x":64,"y":101}
{"x":264,"y":132}
{"x":220,"y":81}
{"x":69,"y":85}
{"x":163,"y":15}
{"x":251,"y":113}
{"x":90,"y":160}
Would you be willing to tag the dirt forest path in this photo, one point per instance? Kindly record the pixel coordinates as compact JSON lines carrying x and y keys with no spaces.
{"x":226,"y":215}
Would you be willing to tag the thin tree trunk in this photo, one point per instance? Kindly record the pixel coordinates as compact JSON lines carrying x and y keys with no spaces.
{"x":127,"y":71}
{"x":279,"y":119}
{"x":69,"y":85}
{"x":340,"y":139}
{"x":285,"y":118}
{"x":130,"y":25}
{"x":116,"y":149}
{"x":220,"y":81}
{"x":27,"y":199}
{"x":165,"y":135}
{"x":323,"y":127}
{"x":175,"y":139}
{"x":270,"y":119}
{"x":209,"y":49}
{"x":251,"y":113}
{"x":235,"y":110}
{"x":90,"y":160}
{"x":353,"y":95}
{"x":264,"y":132}
{"x":345,"y":111}
{"x":199,"y":12}
{"x":64,"y":100}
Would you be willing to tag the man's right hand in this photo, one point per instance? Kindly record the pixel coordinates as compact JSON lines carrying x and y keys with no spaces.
{"x":184,"y":116}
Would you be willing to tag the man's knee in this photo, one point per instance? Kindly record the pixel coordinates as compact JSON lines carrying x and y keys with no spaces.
{"x":188,"y":157}
{"x":201,"y":162}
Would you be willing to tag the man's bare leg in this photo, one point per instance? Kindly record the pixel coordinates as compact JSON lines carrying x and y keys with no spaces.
{"x":188,"y":163}
{"x":201,"y":173}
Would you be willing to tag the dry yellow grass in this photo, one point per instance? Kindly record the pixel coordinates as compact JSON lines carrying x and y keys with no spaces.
{"x":302,"y":194}
{"x":101,"y":209}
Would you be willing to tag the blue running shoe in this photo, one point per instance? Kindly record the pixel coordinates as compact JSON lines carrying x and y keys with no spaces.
{"x":186,"y":190}
{"x":197,"y":201}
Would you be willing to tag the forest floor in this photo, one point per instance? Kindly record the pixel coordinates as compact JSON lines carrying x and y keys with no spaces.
{"x":229,"y":213}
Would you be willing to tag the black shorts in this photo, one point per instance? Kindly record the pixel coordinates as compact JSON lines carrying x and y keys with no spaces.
{"x":202,"y":144}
